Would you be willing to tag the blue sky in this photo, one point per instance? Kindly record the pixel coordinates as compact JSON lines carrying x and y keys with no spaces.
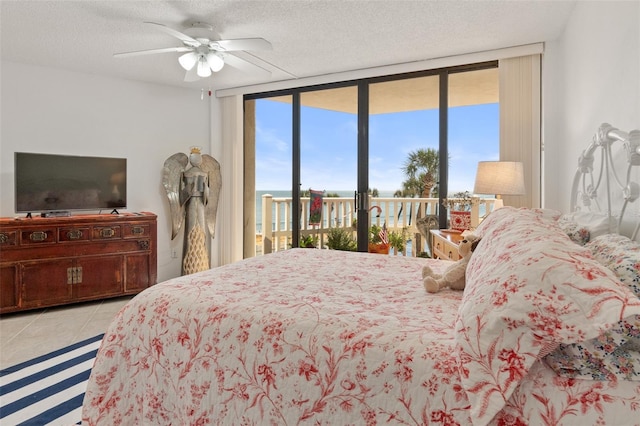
{"x":329,"y":146}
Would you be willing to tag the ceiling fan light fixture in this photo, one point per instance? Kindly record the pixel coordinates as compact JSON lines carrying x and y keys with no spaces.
{"x":215,"y":61}
{"x":203,"y":67}
{"x":200,"y":55}
{"x":188,"y":60}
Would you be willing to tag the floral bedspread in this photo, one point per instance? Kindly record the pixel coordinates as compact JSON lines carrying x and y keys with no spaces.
{"x":308,"y":336}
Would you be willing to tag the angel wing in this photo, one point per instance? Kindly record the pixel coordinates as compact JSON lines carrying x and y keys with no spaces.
{"x":174,"y":166}
{"x":211,"y":166}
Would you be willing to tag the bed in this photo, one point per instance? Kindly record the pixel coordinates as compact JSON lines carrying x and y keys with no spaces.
{"x":546,"y":333}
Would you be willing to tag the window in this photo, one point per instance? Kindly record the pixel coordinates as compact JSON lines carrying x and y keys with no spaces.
{"x":308,"y":138}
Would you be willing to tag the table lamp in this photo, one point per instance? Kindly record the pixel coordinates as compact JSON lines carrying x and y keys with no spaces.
{"x":499,"y":178}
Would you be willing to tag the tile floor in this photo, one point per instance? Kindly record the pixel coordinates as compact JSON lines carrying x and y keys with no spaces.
{"x":26,"y":335}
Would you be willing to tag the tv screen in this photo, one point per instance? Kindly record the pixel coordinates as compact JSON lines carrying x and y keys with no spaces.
{"x":47,"y":182}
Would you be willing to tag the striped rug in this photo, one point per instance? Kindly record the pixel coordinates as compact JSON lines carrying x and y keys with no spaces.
{"x":48,"y":390}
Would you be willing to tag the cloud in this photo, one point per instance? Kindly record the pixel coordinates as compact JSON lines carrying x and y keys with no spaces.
{"x":269,"y":140}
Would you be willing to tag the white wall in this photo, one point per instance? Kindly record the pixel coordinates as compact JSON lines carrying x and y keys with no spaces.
{"x":591,"y":75}
{"x":60,"y":112}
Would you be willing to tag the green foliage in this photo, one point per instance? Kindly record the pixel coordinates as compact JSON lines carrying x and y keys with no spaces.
{"x":309,"y":241}
{"x":459,"y":201}
{"x":374,"y":234}
{"x":341,"y":239}
{"x":421,"y":169}
{"x":397,"y":240}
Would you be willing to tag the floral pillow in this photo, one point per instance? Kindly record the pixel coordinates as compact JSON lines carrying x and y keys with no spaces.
{"x":577,"y":233}
{"x":528,"y":290}
{"x":613,"y":355}
{"x":621,"y":255}
{"x":617,"y":351}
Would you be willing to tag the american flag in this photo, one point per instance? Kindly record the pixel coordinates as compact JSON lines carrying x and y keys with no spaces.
{"x":384,"y":236}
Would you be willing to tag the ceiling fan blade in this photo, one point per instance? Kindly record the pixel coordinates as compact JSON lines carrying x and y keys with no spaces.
{"x":245,"y":66}
{"x":153,"y":51}
{"x":241,"y":44}
{"x":188,"y":40}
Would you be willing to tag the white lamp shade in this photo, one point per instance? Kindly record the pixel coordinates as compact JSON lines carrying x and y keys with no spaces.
{"x":203,"y":68}
{"x":188,"y":60}
{"x":215,"y":62}
{"x":499,"y":178}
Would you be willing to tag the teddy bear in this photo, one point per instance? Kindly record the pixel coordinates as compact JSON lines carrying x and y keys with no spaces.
{"x":454,"y":276}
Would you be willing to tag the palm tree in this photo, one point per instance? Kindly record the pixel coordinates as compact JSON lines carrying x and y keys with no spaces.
{"x":421,"y":169}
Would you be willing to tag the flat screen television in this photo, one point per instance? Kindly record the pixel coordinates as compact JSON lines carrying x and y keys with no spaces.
{"x":59,"y":183}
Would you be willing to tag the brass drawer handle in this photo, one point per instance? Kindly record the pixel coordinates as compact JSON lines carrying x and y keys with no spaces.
{"x":74,"y":275}
{"x":107,"y":233}
{"x":76,"y":234}
{"x":38,"y":236}
{"x":4,"y":238}
{"x":137,"y":230}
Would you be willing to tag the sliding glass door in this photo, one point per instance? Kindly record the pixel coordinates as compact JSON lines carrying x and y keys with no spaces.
{"x":403,"y":155}
{"x":269,"y":132}
{"x":328,"y":163}
{"x":401,"y":143}
{"x":473,"y":127}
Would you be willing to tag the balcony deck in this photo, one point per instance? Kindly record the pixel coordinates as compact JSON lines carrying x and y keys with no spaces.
{"x":399,"y":214}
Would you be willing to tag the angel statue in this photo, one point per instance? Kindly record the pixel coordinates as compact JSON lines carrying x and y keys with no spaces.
{"x":193,"y":193}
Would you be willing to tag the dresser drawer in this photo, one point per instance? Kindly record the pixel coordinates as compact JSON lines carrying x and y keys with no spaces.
{"x":450,"y":251}
{"x":72,"y":234}
{"x":131,"y":230}
{"x":8,"y":238}
{"x":111,"y":232}
{"x":445,"y":245}
{"x":38,"y":236}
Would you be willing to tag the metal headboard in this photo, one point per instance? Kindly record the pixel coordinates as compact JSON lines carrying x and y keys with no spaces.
{"x":599,"y":184}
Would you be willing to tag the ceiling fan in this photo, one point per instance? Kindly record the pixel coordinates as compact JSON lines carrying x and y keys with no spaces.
{"x":202,"y":55}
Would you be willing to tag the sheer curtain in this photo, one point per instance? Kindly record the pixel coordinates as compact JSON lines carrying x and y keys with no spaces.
{"x":520,"y":112}
{"x":229,"y":223}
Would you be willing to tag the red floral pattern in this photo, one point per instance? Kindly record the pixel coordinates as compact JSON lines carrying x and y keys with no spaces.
{"x":549,"y":292}
{"x":356,"y":341}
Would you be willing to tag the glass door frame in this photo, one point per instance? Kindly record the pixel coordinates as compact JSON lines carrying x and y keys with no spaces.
{"x":362,"y":198}
{"x":363,"y":140}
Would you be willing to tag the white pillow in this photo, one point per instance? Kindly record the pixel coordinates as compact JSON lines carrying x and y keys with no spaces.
{"x":596,"y":223}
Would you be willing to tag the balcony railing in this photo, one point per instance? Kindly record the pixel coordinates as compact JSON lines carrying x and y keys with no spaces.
{"x":399,"y":214}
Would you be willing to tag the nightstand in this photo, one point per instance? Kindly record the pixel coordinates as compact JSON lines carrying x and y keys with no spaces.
{"x":445,"y":244}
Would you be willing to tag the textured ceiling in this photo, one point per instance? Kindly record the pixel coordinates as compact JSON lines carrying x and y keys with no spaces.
{"x":309,"y":38}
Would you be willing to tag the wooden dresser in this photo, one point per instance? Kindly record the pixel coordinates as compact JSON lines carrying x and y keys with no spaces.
{"x":55,"y":261}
